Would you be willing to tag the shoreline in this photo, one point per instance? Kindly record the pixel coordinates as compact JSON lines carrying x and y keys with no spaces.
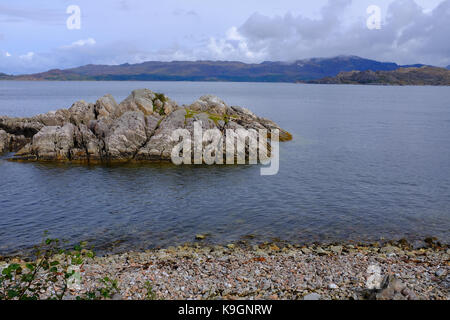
{"x":269,"y":271}
{"x":245,"y":242}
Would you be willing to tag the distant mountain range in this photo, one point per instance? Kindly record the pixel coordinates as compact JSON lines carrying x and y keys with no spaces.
{"x":425,"y":75}
{"x":298,"y":71}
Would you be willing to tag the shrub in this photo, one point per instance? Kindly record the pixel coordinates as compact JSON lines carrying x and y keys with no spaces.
{"x":51,"y":272}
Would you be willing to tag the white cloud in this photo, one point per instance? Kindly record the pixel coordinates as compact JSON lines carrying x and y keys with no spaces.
{"x":181,"y":12}
{"x":81,"y":43}
{"x":232,"y":47}
{"x":27,"y":57}
{"x":7,"y":54}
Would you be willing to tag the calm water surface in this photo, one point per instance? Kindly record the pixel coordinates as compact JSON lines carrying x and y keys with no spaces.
{"x":366,"y":163}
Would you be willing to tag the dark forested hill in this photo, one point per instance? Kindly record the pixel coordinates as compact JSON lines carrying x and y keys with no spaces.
{"x":403,"y":76}
{"x":301,"y":70}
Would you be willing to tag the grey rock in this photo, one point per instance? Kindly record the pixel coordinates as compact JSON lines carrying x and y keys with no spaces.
{"x":4,"y":141}
{"x":389,"y":250}
{"x":397,"y":285}
{"x":409,"y":294}
{"x":386,"y":294}
{"x":139,"y":128}
{"x":332,"y":286}
{"x":16,"y":142}
{"x":336,"y":249}
{"x":160,"y":144}
{"x":312,"y":296}
{"x":211,"y":104}
{"x":54,"y":143}
{"x":244,"y":111}
{"x":106,"y":106}
{"x":139,"y":100}
{"x":306,"y":250}
{"x":418,"y":244}
{"x":440,"y":272}
{"x":128,"y":135}
{"x":394,"y":289}
{"x":82,"y":112}
{"x":320,"y":251}
{"x":27,"y":127}
{"x":117,"y":297}
{"x":54,"y":118}
{"x":88,"y":146}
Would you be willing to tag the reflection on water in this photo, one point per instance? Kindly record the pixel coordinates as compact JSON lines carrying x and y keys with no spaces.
{"x":365,"y":163}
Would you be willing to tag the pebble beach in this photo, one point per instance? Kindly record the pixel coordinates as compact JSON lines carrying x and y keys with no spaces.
{"x":273,"y":271}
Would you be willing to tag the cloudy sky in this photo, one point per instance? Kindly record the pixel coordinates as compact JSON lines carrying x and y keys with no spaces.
{"x":34,"y":35}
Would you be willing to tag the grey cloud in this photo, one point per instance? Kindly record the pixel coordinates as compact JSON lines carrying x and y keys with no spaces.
{"x":182,"y":12}
{"x":124,"y":5}
{"x":16,"y":14}
{"x":408,"y":35}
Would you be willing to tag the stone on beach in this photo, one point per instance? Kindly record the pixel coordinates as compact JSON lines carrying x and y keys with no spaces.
{"x":312,"y":296}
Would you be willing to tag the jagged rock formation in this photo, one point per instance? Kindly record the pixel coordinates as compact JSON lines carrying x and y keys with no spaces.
{"x":11,"y":142}
{"x":139,"y":128}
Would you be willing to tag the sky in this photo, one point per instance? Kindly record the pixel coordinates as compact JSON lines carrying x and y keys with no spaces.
{"x":35,"y":37}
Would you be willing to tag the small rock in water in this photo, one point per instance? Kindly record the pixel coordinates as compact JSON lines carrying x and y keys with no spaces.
{"x":336,"y":249}
{"x":418,"y":244}
{"x":389,"y":250}
{"x":200,"y":236}
{"x":320,"y":251}
{"x":312,"y":296}
{"x":274,"y":247}
{"x":306,"y":250}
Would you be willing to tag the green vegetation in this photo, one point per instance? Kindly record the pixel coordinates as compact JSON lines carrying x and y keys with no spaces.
{"x":106,"y":291}
{"x":150,"y":295}
{"x":51,"y":272}
{"x":190,"y":113}
{"x":161,"y":97}
{"x":212,"y":116}
{"x":401,"y":77}
{"x":53,"y":268}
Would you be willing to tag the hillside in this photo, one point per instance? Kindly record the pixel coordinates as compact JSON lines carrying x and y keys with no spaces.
{"x":4,"y":76}
{"x":301,"y":70}
{"x":432,"y":76}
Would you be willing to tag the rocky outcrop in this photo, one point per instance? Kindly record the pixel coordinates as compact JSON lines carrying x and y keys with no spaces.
{"x":4,"y":141}
{"x":11,"y":142}
{"x":139,"y":128}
